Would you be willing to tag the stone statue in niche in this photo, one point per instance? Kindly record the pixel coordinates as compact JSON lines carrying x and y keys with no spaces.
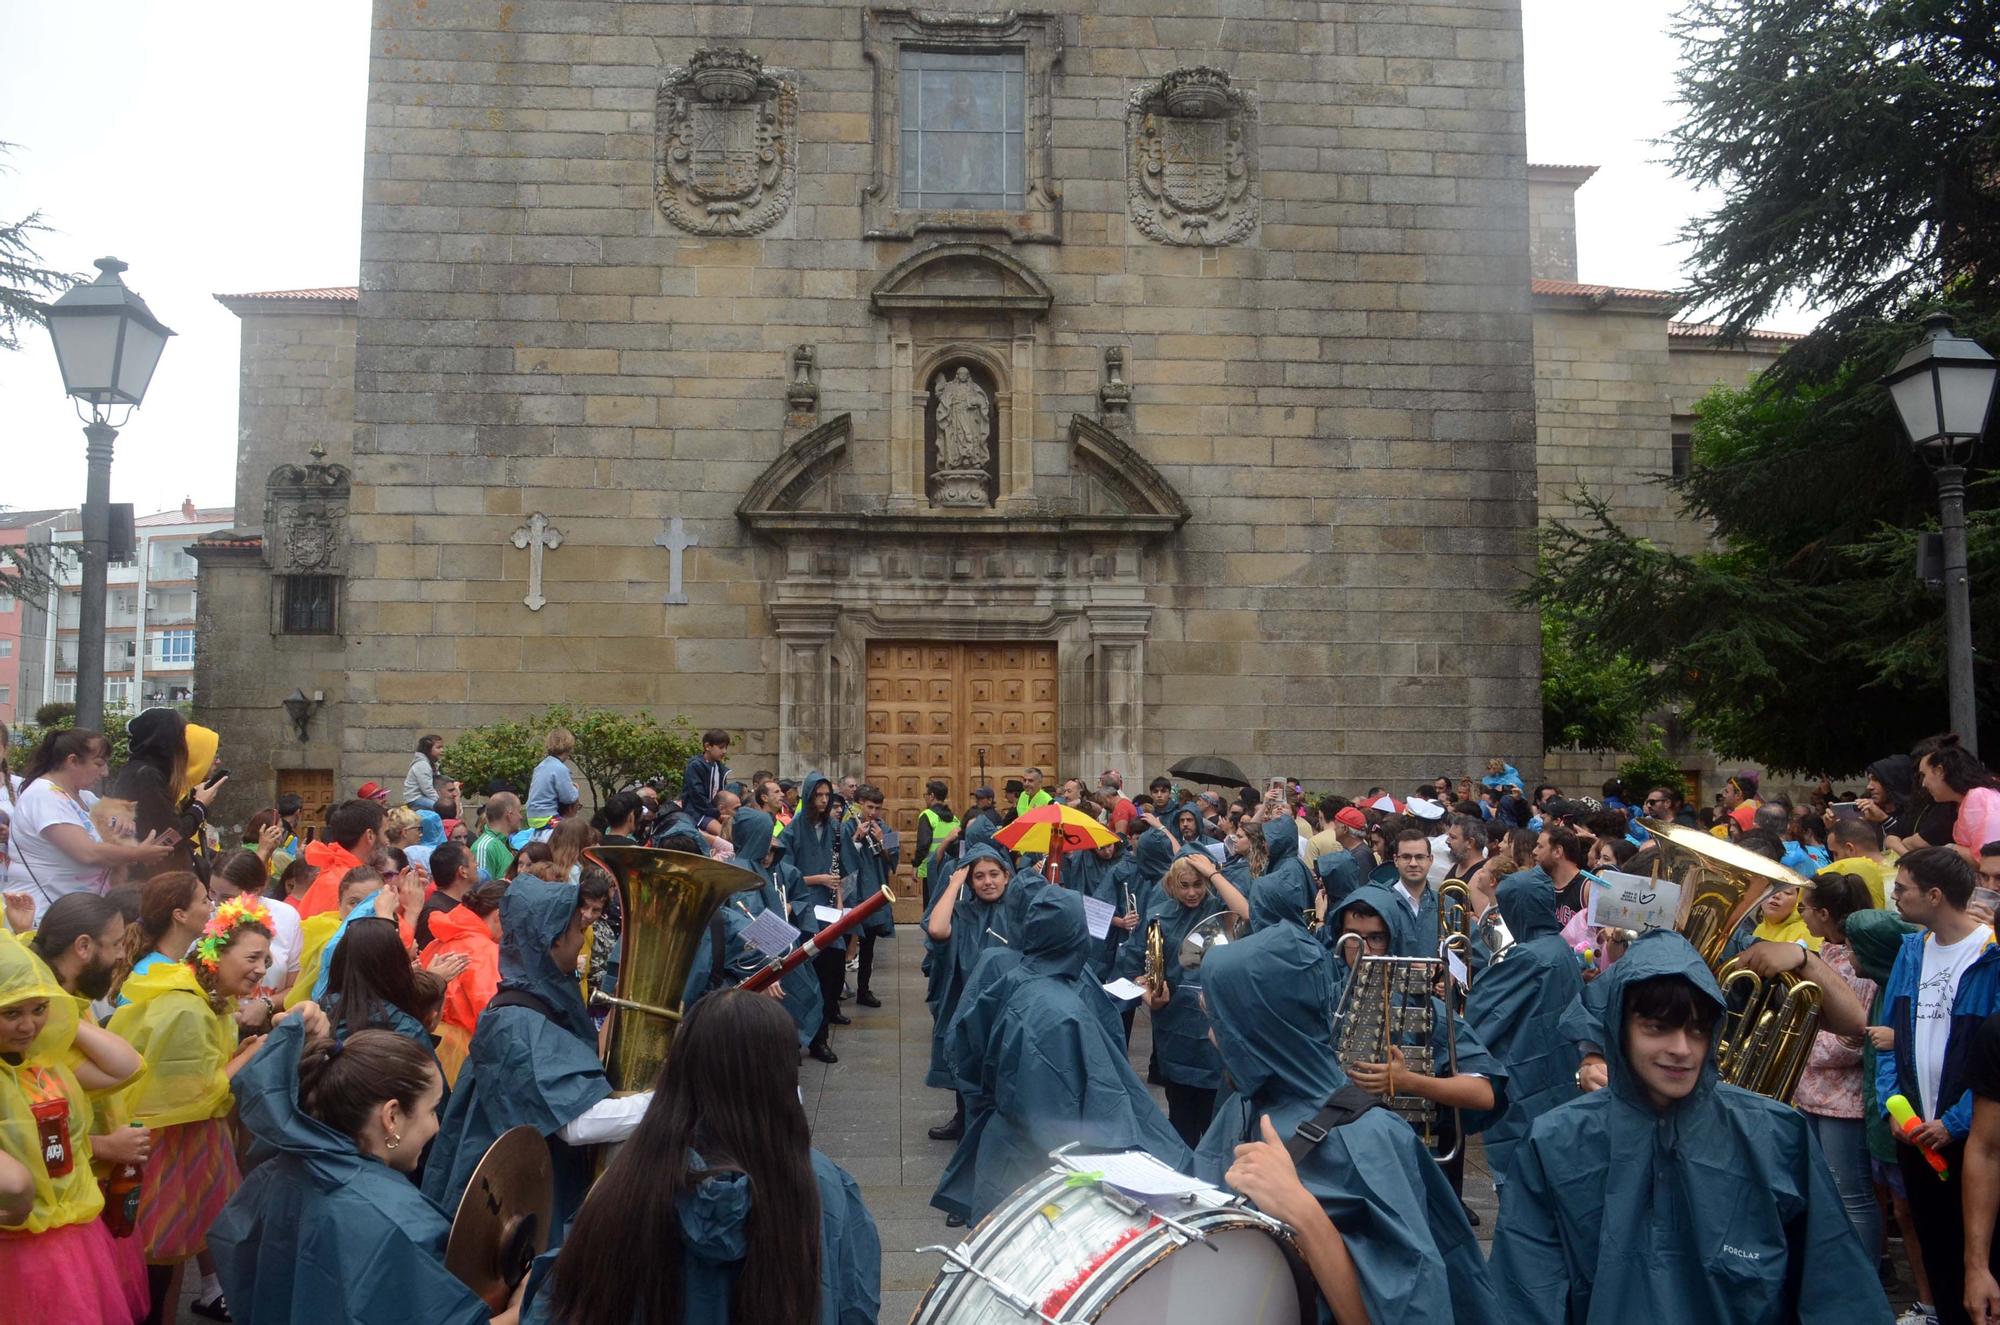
{"x":727,"y":155}
{"x":1191,"y":159}
{"x":962,"y":426}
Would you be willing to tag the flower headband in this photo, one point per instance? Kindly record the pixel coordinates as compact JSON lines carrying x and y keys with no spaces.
{"x":223,"y":923}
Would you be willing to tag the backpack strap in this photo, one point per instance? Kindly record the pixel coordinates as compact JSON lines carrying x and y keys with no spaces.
{"x":1347,"y":1104}
{"x":521,"y":998}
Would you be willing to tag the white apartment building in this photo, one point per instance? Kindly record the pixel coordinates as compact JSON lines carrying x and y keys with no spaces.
{"x":149,"y":610}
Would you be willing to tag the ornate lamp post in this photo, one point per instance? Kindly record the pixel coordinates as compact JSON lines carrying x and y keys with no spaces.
{"x":1943,"y":389}
{"x":107,"y":345}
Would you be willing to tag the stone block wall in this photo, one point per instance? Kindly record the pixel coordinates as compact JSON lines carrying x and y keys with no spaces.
{"x":297,"y":391}
{"x":1603,"y":414}
{"x":1343,"y":400}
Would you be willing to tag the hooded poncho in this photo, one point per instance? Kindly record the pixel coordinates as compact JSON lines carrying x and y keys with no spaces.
{"x":1113,"y":882}
{"x":974,"y":925}
{"x":524,"y":1068}
{"x":321,"y":1232}
{"x":1287,"y":891}
{"x":74,"y":1197}
{"x":1718,"y":1209}
{"x":1271,"y":995}
{"x":186,"y":1043}
{"x":1516,"y":1008}
{"x":1054,"y":1067}
{"x":1180,"y":1031}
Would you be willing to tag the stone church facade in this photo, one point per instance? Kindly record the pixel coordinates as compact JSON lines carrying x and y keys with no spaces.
{"x":920,"y":392}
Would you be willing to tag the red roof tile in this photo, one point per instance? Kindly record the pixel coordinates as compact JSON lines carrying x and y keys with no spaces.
{"x":1580,"y":290}
{"x":1710,"y":331}
{"x":317,"y":299}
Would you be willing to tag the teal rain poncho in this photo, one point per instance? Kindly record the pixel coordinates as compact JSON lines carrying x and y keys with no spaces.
{"x":1055,"y":1068}
{"x":1719,"y":1209}
{"x":1180,"y":1030}
{"x":320,"y":1232}
{"x":872,"y":871}
{"x":975,"y":926}
{"x":715,"y":1238}
{"x":1113,"y":882}
{"x":750,"y":833}
{"x":1271,"y":996}
{"x":524,"y":1068}
{"x":1516,"y":1007}
{"x":1286,"y":892}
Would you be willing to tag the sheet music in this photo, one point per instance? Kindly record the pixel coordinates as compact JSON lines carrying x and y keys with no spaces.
{"x":1139,"y":1173}
{"x":827,"y":915}
{"x":768,"y":933}
{"x":1097,"y":917}
{"x":1123,"y":989}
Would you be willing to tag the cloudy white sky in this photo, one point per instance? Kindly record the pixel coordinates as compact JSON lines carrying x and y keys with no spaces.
{"x":218,"y":148}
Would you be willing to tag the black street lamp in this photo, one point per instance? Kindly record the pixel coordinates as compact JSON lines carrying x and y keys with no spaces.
{"x":1943,"y":389}
{"x":107,"y":345}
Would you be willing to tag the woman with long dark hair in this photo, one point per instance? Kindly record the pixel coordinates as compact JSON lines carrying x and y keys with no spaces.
{"x":1953,"y":775}
{"x":718,"y":1210}
{"x":330,"y":1229}
{"x":371,"y":986}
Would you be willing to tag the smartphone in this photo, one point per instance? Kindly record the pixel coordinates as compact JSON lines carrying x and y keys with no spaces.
{"x":170,"y":838}
{"x":1845,"y":809}
{"x":215,"y":777}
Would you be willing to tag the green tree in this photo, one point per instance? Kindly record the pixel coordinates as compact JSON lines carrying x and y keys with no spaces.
{"x":1854,"y":145}
{"x":24,"y":280}
{"x":1591,"y":699}
{"x":613,"y":749}
{"x":23,"y":739}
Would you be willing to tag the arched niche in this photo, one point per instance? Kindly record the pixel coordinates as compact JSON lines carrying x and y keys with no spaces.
{"x":987,"y":371}
{"x":968,"y":304}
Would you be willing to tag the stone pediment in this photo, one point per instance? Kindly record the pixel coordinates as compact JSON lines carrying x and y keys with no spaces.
{"x":961,"y":277}
{"x":1115,"y":490}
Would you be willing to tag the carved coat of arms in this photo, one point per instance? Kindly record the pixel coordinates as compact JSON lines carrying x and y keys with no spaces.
{"x":1191,"y":159}
{"x":728,"y":144}
{"x":310,"y":541}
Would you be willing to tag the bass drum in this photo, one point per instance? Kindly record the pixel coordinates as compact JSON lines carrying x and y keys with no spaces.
{"x":1082,"y":1253}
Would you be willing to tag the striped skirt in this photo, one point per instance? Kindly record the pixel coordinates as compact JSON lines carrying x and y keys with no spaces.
{"x":190,"y":1177}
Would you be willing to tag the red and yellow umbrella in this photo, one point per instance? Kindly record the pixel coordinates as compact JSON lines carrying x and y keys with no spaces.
{"x":1048,"y":829}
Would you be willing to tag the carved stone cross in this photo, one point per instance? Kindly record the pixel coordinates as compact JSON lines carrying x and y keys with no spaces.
{"x":535,"y":535}
{"x":677,"y":540}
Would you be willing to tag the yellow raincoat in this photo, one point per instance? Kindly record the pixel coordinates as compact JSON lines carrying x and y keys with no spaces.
{"x":186,"y":1044}
{"x":316,"y":932}
{"x":74,"y":1197}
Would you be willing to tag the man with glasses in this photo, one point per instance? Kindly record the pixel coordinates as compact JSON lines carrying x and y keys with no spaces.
{"x":1412,"y":857}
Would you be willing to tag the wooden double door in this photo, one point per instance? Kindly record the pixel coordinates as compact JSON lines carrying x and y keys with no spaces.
{"x":935,"y":710}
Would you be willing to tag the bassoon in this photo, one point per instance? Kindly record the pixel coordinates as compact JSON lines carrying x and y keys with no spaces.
{"x":779,"y":967}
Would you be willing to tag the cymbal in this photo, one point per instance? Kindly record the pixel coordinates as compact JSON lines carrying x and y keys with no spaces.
{"x":503,"y":1219}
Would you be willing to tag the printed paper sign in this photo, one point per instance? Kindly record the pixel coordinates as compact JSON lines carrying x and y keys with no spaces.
{"x":1097,"y":917}
{"x":1458,"y":973}
{"x":1633,"y":901}
{"x":826,"y":915}
{"x":1124,"y":990}
{"x":769,"y":934}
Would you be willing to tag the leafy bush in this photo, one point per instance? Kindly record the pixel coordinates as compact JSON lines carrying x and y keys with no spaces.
{"x":613,"y":750}
{"x":23,"y":739}
{"x":1651,"y":766}
{"x":49,"y":715}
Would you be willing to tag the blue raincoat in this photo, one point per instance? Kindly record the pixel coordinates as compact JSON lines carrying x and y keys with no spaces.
{"x":1286,"y":892}
{"x":523,"y":1068}
{"x":1054,"y":1067}
{"x":320,"y":1232}
{"x":871,"y":870}
{"x":1719,"y":1209}
{"x":1113,"y":882}
{"x":814,"y":850}
{"x":715,"y":1238}
{"x":974,"y":925}
{"x":945,"y":862}
{"x":1339,"y":873}
{"x":1271,"y":995}
{"x":751,"y":833}
{"x":1180,"y":1030}
{"x":1516,"y":1007}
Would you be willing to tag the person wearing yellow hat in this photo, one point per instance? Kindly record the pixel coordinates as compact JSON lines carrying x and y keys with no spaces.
{"x":171,"y":779}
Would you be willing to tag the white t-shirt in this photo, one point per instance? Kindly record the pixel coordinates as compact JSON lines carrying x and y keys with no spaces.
{"x":1937,"y":987}
{"x":38,"y":866}
{"x":287,"y":940}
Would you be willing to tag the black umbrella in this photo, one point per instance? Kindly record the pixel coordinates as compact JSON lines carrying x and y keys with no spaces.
{"x":1212,"y":769}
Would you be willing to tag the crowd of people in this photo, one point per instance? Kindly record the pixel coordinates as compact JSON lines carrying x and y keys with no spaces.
{"x":271,"y":1057}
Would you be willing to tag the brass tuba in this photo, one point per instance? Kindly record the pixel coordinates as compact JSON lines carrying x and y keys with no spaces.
{"x":1765,"y":1040}
{"x":667,"y":899}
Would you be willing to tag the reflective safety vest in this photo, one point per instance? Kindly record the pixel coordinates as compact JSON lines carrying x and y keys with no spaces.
{"x":941,"y":828}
